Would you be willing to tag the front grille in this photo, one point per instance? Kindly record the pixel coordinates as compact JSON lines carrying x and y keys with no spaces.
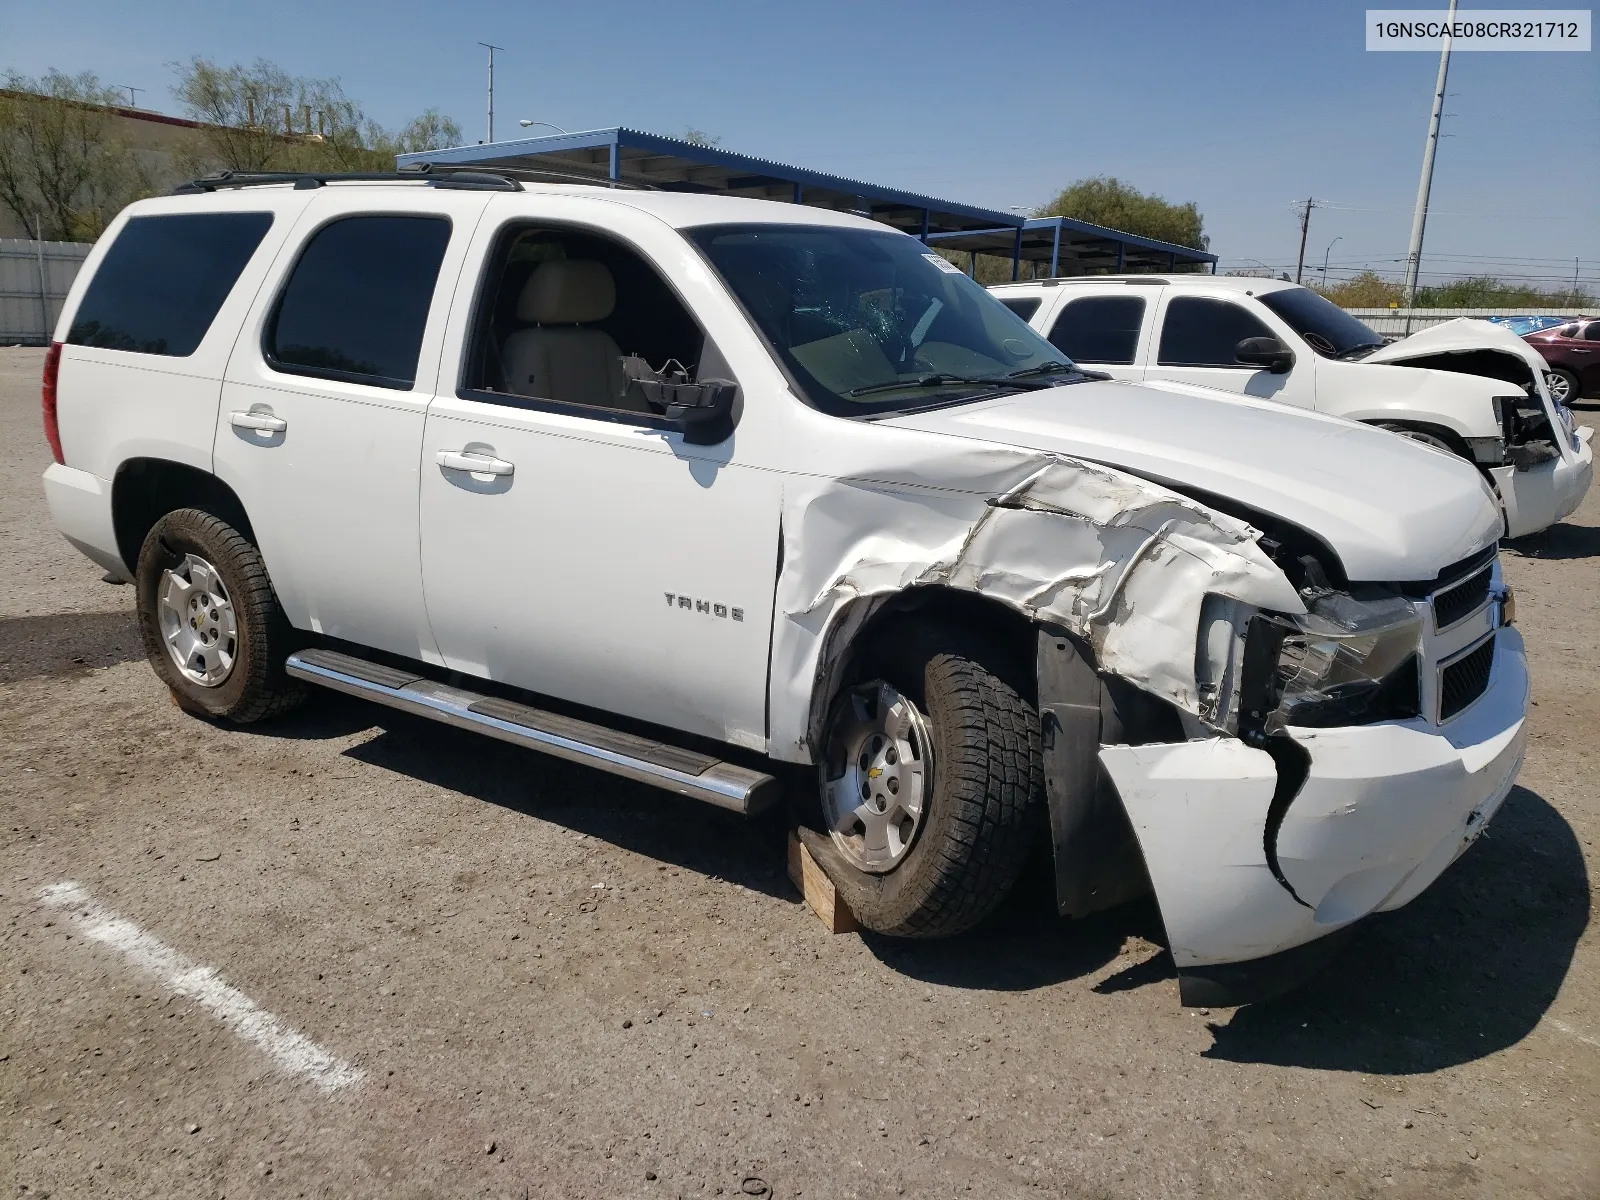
{"x":1462,"y":599}
{"x":1451,"y":575}
{"x":1464,"y":680}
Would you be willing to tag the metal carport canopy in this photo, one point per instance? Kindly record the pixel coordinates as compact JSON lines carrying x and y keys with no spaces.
{"x":629,"y":155}
{"x":1074,"y":246}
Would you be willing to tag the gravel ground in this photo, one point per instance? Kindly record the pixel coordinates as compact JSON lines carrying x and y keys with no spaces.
{"x":558,"y":984}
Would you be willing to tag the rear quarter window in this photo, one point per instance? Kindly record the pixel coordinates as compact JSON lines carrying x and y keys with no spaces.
{"x":163,"y":279}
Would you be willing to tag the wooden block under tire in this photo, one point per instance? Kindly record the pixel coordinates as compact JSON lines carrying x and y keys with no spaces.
{"x":818,"y":890}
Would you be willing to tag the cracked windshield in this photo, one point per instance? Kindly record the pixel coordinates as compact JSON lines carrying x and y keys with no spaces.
{"x":870,"y":322}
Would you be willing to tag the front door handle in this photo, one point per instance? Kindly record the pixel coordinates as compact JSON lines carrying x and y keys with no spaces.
{"x":475,"y":462}
{"x":264,"y":422}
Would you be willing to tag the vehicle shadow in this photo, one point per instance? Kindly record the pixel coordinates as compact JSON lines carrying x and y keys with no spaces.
{"x":1466,"y":969}
{"x":62,"y":643}
{"x":1024,"y":945}
{"x":658,"y":825}
{"x":1560,"y":541}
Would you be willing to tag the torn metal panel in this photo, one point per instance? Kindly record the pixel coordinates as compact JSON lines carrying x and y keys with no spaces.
{"x":1121,"y":563}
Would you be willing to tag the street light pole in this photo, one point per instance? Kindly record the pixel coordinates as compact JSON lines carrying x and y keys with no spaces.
{"x":491,"y":50}
{"x":1325,"y":254}
{"x":1419,"y":218}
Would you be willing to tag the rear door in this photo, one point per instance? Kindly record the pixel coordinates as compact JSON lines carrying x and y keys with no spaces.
{"x":1104,"y":328}
{"x":323,"y":406}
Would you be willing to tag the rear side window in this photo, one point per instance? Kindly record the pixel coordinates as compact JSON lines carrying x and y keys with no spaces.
{"x":1199,"y":332}
{"x":1024,"y":308}
{"x":1593,"y":332}
{"x":162,"y":281}
{"x":357,"y":301}
{"x":1100,"y":329}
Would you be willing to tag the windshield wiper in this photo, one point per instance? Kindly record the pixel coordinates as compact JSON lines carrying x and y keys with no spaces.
{"x":1044,"y":368}
{"x":939,"y":379}
{"x":1361,"y":351}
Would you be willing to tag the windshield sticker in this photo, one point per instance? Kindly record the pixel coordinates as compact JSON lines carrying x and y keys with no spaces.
{"x":944,"y":264}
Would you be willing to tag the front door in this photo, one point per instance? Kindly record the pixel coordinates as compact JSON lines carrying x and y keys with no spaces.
{"x":1196,"y":340}
{"x":573,"y":543}
{"x":323,"y":406}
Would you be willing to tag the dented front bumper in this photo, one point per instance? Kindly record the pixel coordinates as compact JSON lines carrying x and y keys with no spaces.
{"x":1383,"y":809}
{"x":1537,"y":497}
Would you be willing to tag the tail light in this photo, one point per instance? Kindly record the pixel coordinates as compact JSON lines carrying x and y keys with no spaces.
{"x":52,"y":425}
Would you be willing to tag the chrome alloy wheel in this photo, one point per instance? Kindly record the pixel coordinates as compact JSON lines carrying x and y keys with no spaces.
{"x":198,"y":622}
{"x":877,"y":777}
{"x":1560,"y":387}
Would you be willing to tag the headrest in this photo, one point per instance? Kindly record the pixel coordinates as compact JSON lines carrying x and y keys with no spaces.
{"x":567,"y":292}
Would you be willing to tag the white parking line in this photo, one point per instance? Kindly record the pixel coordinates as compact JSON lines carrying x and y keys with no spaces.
{"x":293,"y":1052}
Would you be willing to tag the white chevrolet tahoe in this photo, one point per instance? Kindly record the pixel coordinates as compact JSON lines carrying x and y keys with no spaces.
{"x":1468,"y":387}
{"x":720,"y":494}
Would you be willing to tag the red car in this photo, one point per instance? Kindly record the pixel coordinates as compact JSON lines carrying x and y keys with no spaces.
{"x":1573,"y":352}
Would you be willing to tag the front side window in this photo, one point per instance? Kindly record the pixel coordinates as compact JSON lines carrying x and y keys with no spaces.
{"x":1201,"y":332}
{"x":1327,"y":328}
{"x":867,"y":322}
{"x":575,"y":318}
{"x":357,"y":301}
{"x":163,"y":280}
{"x":1100,"y":329}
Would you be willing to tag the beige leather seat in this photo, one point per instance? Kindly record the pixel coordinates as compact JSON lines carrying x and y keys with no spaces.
{"x":557,"y":358}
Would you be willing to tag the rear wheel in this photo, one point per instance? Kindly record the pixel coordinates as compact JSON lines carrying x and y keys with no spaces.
{"x":1563,"y":385}
{"x":210,"y":621}
{"x":928,"y":785}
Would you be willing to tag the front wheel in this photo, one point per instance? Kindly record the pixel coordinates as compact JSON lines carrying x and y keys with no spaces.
{"x":210,"y":620}
{"x":929,"y":783}
{"x":1421,"y":435}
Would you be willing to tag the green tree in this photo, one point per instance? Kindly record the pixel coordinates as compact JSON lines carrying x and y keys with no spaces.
{"x":258,"y":117}
{"x":1110,"y":202}
{"x":1366,"y":290}
{"x":62,"y":163}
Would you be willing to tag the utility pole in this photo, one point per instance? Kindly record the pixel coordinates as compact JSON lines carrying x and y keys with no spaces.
{"x":491,"y":50}
{"x":1419,"y":219}
{"x":133,"y":94}
{"x":1305,"y":227}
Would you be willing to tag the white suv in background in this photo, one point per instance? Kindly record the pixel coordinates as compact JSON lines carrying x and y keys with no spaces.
{"x":714,"y":493}
{"x":1468,"y":387}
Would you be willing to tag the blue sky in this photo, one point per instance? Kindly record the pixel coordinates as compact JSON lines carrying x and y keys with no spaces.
{"x":1242,"y":107}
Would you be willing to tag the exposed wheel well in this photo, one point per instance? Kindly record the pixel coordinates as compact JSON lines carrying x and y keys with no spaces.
{"x":1005,"y":638}
{"x":1445,"y":434}
{"x":146,"y":489}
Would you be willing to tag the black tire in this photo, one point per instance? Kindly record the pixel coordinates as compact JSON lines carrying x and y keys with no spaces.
{"x":980,"y":823}
{"x":1570,"y":378}
{"x":256,"y":687}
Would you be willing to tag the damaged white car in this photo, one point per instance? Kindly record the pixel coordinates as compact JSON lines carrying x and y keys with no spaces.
{"x":717,"y":494}
{"x":1467,"y":387}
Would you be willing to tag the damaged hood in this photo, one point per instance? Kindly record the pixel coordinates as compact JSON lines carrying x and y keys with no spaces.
{"x":1459,"y":336}
{"x":1391,"y":508}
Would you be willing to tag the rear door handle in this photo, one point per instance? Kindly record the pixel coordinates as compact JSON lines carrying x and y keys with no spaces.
{"x":476,"y":463}
{"x":263,"y":421}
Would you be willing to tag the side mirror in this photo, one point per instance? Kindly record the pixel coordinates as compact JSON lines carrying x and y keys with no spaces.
{"x":703,"y":410}
{"x":1266,"y":352}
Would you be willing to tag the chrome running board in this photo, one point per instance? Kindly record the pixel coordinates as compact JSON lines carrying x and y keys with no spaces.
{"x":686,"y":772}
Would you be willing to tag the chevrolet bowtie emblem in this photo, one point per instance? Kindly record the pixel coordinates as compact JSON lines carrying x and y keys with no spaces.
{"x":874,"y":772}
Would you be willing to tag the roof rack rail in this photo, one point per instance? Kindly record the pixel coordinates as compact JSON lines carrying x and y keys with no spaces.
{"x":466,"y":178}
